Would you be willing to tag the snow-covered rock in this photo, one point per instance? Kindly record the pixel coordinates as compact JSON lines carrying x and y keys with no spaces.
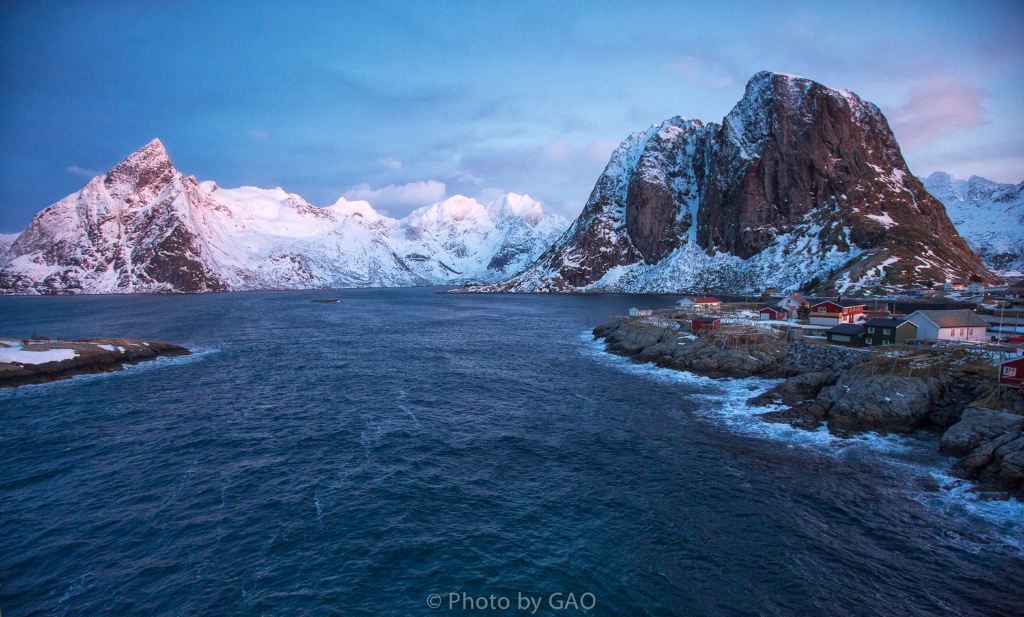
{"x":6,"y":240}
{"x":799,"y":186}
{"x":145,"y":227}
{"x":989,"y":215}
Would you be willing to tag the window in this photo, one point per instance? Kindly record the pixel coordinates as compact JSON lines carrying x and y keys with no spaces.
{"x":961,"y":331}
{"x":871,"y":329}
{"x":867,"y":341}
{"x":886,"y":330}
{"x":1009,"y":371}
{"x":821,"y":309}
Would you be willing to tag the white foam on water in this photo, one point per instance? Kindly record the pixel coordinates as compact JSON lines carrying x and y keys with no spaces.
{"x":726,"y":403}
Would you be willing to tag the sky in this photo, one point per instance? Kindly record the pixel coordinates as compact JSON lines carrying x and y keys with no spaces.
{"x":405,"y":103}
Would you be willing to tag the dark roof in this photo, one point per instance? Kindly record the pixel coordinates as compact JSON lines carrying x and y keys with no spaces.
{"x":843,"y":303}
{"x":706,"y":319}
{"x":847,"y":328}
{"x":962,"y":318}
{"x":885,"y":322}
{"x":906,"y":308}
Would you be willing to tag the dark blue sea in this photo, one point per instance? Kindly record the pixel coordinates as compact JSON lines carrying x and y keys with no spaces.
{"x":355,"y":458}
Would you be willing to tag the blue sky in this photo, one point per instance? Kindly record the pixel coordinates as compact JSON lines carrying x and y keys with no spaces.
{"x":402,"y":103}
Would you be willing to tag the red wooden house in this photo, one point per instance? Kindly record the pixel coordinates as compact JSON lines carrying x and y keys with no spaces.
{"x":772,"y":312}
{"x":705,"y":324}
{"x":1011,"y":373}
{"x":833,"y":313}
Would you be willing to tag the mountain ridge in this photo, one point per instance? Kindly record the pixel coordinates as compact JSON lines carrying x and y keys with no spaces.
{"x":145,"y":227}
{"x":989,"y":215}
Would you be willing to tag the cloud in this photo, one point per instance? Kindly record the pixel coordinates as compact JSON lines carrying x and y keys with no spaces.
{"x":410,"y":194}
{"x":389,"y":163}
{"x":703,"y":71}
{"x":935,"y":109}
{"x":82,"y":171}
{"x":258,"y":134}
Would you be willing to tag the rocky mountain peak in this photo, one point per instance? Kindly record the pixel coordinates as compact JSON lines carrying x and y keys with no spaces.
{"x":801,"y":185}
{"x":147,"y":171}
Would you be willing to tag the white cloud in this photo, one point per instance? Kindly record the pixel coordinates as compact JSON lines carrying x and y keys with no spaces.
{"x":410,"y":194}
{"x":935,"y":109}
{"x":81,"y":171}
{"x":390,"y":163}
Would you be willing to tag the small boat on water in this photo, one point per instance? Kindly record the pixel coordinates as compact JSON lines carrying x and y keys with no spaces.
{"x":327,"y":300}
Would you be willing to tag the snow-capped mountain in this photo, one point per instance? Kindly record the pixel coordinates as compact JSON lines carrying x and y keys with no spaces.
{"x":799,"y":186}
{"x":989,"y":216}
{"x":145,"y":227}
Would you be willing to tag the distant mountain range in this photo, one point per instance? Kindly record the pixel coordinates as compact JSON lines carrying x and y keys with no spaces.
{"x":800,"y":186}
{"x":989,"y":216}
{"x":145,"y":227}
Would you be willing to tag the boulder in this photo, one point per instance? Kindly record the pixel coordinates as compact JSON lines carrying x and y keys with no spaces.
{"x":881,"y":403}
{"x":977,"y":426}
{"x":997,"y":463}
{"x":795,"y":389}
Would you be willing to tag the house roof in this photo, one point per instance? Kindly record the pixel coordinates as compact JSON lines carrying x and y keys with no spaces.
{"x":847,"y":328}
{"x":705,"y":319}
{"x":962,"y":318}
{"x":703,"y":299}
{"x":842,"y":303}
{"x":906,"y":308}
{"x":795,"y":297}
{"x":776,"y":309}
{"x":885,"y":322}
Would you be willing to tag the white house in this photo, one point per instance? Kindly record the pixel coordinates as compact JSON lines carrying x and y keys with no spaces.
{"x":956,"y":325}
{"x":700,"y":304}
{"x":792,"y":303}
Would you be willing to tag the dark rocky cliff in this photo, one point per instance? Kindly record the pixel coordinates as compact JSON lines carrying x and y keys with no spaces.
{"x":799,"y":183}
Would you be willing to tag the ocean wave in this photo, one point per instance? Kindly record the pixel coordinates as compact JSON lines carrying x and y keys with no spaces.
{"x":724,"y":401}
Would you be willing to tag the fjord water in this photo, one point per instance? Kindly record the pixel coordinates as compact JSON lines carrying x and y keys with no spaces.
{"x":354,"y":458}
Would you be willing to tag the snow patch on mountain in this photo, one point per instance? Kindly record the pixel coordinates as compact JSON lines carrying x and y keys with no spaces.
{"x":989,"y":215}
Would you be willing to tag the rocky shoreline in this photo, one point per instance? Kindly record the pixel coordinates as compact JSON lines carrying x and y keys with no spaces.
{"x":33,"y":361}
{"x":900,"y":390}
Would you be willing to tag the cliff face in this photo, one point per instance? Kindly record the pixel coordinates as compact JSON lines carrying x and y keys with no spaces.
{"x":800,"y":184}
